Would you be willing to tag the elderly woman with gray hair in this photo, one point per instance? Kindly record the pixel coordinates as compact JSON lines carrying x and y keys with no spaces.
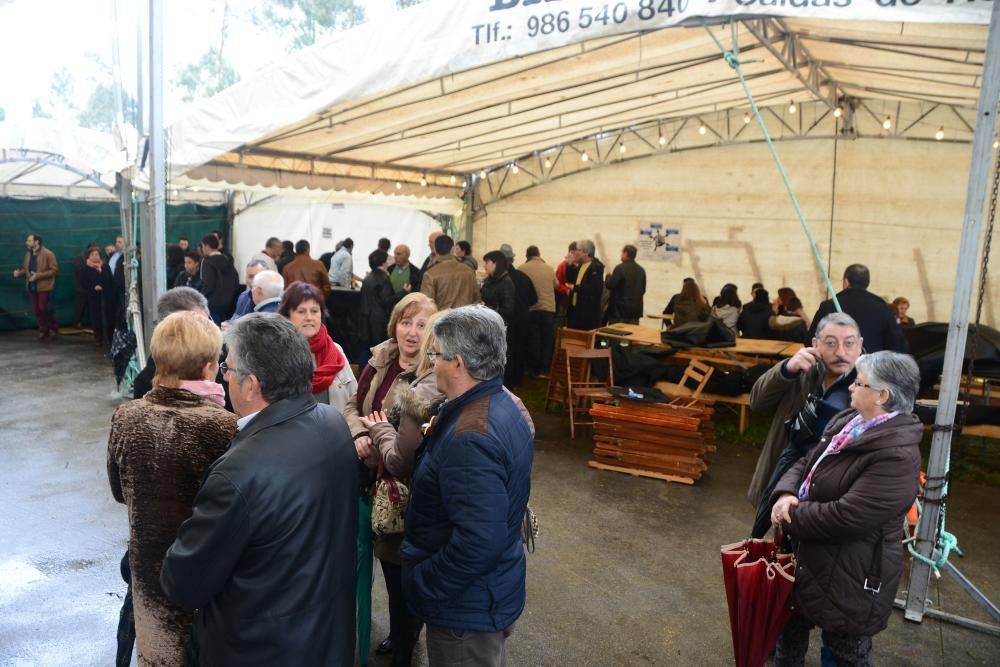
{"x":844,"y":505}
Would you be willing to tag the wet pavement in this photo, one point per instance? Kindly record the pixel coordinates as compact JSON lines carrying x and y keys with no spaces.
{"x":626,"y":571}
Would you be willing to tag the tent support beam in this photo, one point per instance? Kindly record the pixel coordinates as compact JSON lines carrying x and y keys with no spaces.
{"x":793,"y":56}
{"x":951,"y":375}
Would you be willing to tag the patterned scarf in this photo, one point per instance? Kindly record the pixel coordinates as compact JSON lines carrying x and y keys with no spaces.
{"x":852,"y":430}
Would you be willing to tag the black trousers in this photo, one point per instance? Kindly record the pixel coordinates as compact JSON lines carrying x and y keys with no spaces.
{"x":404,"y":627}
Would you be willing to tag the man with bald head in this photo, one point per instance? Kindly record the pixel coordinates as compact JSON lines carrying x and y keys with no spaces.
{"x":404,"y":276}
{"x":433,"y":257}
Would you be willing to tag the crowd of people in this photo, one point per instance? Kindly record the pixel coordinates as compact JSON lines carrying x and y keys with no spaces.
{"x":257,"y":468}
{"x":248,"y":469}
{"x":785,"y":318}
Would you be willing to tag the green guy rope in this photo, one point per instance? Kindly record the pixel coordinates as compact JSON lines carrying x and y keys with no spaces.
{"x":732,"y":59}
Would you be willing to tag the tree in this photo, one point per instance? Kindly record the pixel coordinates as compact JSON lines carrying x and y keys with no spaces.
{"x":206,"y":77}
{"x":99,"y":111}
{"x":3,"y":114}
{"x":37,"y":111}
{"x":403,"y":4}
{"x":304,"y":21}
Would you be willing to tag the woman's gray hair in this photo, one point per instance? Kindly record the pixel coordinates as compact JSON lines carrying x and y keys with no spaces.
{"x":897,"y":373}
{"x":270,"y":347}
{"x":478,"y":335}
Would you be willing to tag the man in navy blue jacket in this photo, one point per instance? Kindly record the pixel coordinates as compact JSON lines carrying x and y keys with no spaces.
{"x":463,"y":560}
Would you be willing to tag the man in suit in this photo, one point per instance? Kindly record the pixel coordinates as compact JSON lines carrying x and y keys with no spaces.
{"x":587,"y":288}
{"x":874,"y":316}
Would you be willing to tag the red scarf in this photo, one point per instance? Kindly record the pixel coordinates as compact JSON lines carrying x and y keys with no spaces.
{"x":329,"y":360}
{"x":95,"y":265}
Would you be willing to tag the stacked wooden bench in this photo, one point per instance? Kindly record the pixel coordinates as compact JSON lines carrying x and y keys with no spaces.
{"x":661,"y":441}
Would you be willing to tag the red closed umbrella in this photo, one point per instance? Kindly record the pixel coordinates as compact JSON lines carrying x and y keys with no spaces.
{"x":758,"y":580}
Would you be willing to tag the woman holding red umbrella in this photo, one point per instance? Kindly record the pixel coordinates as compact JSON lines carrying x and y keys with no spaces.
{"x":844,"y":505}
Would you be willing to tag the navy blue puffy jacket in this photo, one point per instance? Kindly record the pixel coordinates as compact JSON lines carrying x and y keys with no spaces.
{"x":463,"y":560}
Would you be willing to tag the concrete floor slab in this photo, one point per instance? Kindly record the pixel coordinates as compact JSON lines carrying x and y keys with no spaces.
{"x":626,"y":571}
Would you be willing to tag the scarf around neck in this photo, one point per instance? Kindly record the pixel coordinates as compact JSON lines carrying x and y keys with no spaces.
{"x":207,"y":389}
{"x":329,"y":359}
{"x":851,"y":431}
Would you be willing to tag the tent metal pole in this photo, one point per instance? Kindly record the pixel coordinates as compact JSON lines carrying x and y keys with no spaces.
{"x":951,"y":375}
{"x":154,"y":272}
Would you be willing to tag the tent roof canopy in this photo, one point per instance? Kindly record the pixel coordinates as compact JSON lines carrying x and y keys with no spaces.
{"x":373,"y":110}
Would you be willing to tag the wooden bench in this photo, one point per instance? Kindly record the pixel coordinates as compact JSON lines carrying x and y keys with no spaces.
{"x":742,"y":400}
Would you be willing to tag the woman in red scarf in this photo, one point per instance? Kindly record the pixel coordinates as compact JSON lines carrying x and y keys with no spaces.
{"x":302,"y":304}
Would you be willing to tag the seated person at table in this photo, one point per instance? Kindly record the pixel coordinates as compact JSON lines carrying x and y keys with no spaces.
{"x":690,"y":305}
{"x":753,"y":320}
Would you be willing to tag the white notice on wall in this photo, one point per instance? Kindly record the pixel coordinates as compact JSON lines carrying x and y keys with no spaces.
{"x":659,"y":242}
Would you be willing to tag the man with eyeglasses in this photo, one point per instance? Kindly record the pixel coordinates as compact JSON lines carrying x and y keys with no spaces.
{"x":463,"y":560}
{"x":267,"y":558}
{"x":804,"y":392}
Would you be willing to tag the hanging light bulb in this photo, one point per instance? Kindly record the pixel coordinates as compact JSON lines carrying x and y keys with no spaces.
{"x":453,"y":179}
{"x":548,"y":163}
{"x":939,"y":135}
{"x":792,"y":108}
{"x":584,"y":157}
{"x":621,"y":148}
{"x":996,"y":144}
{"x":482,"y":174}
{"x":838,"y":112}
{"x":399,"y":186}
{"x":702,"y":129}
{"x":514,"y":168}
{"x":887,"y":123}
{"x":423,"y":181}
{"x":465,"y":184}
{"x":746,"y":118}
{"x":662,"y":140}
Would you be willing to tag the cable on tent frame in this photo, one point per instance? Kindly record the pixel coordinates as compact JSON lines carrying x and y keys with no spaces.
{"x":732,"y":59}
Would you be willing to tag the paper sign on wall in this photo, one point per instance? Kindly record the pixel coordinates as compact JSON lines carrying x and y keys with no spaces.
{"x":659,"y":242}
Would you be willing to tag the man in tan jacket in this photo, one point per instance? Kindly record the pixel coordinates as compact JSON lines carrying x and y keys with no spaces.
{"x":39,"y":271}
{"x":541,"y":334}
{"x":449,"y":282}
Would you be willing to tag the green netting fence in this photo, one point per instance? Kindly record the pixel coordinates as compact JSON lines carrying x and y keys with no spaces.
{"x":67,"y":227}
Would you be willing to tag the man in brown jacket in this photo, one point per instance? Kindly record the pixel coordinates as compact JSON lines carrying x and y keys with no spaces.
{"x":306,"y":269}
{"x":39,"y":271}
{"x":541,"y":332}
{"x":449,"y":282}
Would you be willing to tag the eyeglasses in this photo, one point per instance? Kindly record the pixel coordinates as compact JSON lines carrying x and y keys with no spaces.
{"x":434,"y":356}
{"x":226,"y":368}
{"x":858,"y":383}
{"x":832,"y":343}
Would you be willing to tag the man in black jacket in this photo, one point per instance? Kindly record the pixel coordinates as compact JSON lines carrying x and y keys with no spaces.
{"x":628,"y":287}
{"x":587,"y":288}
{"x":874,"y":316}
{"x":219,"y":279}
{"x":377,"y":300}
{"x":267,"y":558}
{"x":524,"y":298}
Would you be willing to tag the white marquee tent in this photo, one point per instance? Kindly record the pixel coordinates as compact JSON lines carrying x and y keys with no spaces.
{"x":556,"y":120}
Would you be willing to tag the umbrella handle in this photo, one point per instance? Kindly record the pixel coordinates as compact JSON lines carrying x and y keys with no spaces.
{"x":779,"y":541}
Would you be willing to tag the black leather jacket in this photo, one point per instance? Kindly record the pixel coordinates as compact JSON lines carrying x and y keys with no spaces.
{"x":267,"y":559}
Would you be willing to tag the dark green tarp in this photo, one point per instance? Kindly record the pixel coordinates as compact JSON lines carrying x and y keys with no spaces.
{"x":66,"y":227}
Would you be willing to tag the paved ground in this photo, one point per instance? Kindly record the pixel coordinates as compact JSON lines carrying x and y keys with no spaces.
{"x":626,"y":572}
